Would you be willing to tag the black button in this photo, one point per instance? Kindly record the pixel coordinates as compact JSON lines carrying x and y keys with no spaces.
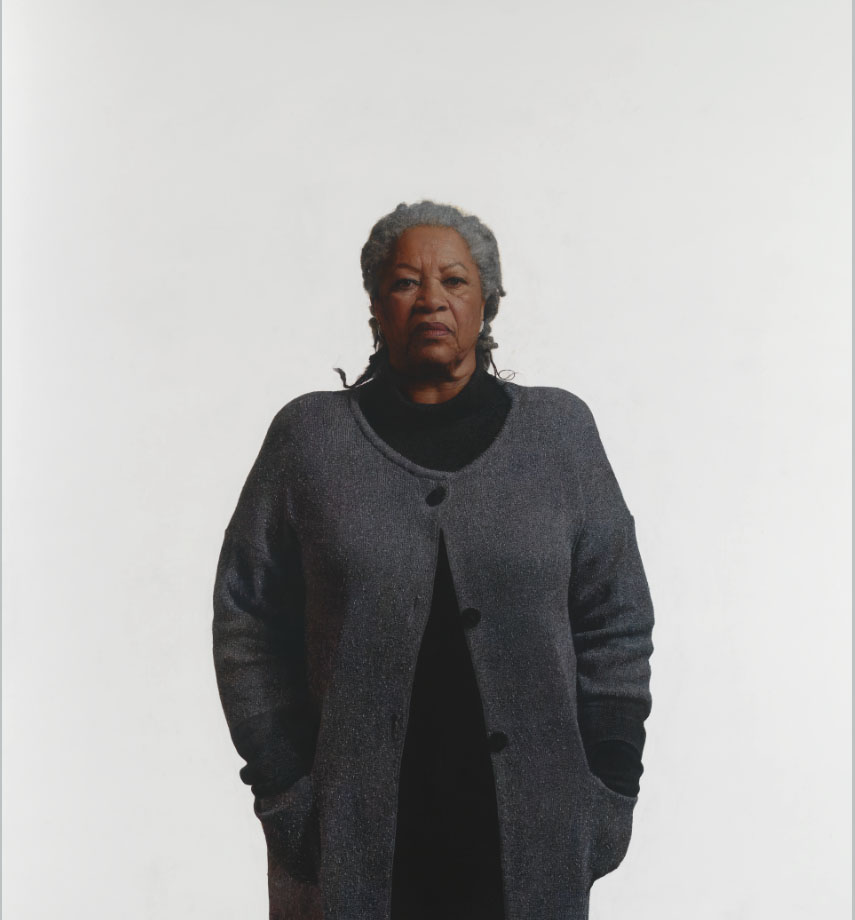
{"x":436,"y":496}
{"x":470,"y":617}
{"x":497,"y":742}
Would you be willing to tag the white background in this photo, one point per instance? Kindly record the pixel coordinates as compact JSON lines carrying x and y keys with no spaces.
{"x":187,"y":186}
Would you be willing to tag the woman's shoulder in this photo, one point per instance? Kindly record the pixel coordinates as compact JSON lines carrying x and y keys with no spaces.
{"x":310,"y":405}
{"x":555,"y":401}
{"x":564,"y":418}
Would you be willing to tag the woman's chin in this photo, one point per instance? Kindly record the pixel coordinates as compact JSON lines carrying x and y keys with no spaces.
{"x":426,"y":353}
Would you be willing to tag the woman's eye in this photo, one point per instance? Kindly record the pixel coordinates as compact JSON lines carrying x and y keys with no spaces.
{"x":402,"y":284}
{"x":455,"y":282}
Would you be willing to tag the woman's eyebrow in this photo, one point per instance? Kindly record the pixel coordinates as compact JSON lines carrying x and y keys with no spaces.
{"x":442,"y":268}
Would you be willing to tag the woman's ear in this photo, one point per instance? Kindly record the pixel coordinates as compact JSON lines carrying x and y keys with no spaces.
{"x":375,"y":323}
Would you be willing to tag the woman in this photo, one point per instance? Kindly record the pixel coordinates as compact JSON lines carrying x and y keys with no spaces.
{"x":432,"y":628}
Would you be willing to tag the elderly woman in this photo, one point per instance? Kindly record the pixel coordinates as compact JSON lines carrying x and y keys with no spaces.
{"x":432,"y":628}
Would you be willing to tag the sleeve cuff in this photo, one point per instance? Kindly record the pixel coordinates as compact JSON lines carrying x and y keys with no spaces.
{"x":278,"y":750}
{"x":613,"y":720}
{"x":618,"y":765}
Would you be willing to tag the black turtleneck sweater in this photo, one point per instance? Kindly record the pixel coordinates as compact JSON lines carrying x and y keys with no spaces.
{"x":447,"y":843}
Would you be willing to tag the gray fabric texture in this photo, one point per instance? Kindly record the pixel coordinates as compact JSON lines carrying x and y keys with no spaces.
{"x":322,"y":592}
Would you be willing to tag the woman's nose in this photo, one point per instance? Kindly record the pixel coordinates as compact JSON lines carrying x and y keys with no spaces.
{"x":432,"y":294}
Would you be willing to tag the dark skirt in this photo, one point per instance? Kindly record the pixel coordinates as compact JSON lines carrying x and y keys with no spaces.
{"x":447,"y":857}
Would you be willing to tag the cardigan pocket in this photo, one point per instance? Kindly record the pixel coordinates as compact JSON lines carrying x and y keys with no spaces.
{"x":613,"y":813}
{"x":291,"y":829}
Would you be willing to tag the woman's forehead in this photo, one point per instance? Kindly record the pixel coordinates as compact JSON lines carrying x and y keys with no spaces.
{"x":432,"y":243}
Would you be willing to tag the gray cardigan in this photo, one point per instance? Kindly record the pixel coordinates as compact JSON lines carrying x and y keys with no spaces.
{"x":322,"y":593}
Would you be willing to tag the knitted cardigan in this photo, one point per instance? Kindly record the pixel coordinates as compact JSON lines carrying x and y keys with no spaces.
{"x":322,"y":594}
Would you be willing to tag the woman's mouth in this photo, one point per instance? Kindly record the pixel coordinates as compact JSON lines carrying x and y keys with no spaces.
{"x":432,"y":330}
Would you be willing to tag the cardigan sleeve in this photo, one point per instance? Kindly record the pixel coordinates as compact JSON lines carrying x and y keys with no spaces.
{"x":611,"y":612}
{"x":258,"y":632}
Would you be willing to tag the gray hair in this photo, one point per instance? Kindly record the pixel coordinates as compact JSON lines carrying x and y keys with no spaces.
{"x":381,"y":244}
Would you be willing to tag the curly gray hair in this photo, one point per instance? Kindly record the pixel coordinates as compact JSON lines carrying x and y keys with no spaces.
{"x":379,"y":248}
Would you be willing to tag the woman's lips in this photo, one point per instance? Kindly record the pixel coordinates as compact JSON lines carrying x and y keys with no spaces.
{"x":432,"y":330}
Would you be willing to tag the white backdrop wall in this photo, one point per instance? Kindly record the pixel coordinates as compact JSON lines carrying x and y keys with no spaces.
{"x":186,"y":190}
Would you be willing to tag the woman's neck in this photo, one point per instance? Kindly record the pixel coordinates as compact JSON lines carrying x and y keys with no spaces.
{"x":430,"y":390}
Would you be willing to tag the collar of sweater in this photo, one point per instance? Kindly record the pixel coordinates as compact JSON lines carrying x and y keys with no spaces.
{"x":382,"y":398}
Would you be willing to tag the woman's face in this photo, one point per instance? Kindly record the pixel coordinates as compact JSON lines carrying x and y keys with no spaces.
{"x":430,"y":305}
